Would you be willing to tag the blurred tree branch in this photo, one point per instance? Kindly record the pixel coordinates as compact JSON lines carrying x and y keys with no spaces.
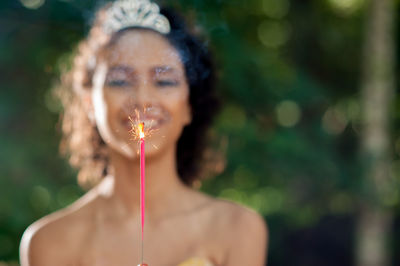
{"x":374,"y":224}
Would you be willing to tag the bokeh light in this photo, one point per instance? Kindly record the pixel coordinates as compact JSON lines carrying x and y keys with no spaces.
{"x":334,"y":120}
{"x":40,"y":198}
{"x":244,"y":178}
{"x":274,"y":34}
{"x":269,"y":199}
{"x":67,"y":195}
{"x":276,"y":8}
{"x":288,"y":113}
{"x":232,"y":117}
{"x":346,"y":7}
{"x":32,"y":4}
{"x":232,"y":194}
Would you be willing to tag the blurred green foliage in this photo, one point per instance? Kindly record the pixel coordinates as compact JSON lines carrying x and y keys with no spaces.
{"x":290,"y":74}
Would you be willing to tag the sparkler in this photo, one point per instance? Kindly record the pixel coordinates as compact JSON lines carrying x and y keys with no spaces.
{"x":142,"y":184}
{"x":138,"y":132}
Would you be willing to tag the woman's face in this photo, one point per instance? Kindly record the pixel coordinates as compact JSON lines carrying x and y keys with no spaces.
{"x":140,"y":76}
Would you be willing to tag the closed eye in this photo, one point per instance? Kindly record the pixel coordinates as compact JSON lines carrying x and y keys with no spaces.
{"x":167,"y":83}
{"x":117,"y":83}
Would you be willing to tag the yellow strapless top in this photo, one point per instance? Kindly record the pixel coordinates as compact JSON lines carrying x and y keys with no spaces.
{"x":196,"y":262}
{"x":190,"y":262}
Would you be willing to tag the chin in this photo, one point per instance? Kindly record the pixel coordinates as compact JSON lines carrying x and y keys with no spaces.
{"x":154,"y":146}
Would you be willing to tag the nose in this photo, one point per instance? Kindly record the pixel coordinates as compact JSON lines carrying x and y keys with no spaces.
{"x":141,"y":97}
{"x":143,"y":93}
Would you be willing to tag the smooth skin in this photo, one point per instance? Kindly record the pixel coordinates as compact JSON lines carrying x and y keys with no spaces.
{"x":103,"y":227}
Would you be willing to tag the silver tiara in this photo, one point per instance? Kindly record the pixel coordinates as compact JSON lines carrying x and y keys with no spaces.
{"x":135,"y":13}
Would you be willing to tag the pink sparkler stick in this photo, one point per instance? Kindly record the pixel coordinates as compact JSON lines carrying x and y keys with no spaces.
{"x":142,"y":184}
{"x":142,"y":180}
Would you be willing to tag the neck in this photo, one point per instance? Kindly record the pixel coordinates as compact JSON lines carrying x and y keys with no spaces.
{"x":162,"y":183}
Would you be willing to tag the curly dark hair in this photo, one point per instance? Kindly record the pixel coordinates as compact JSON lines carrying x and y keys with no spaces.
{"x":81,"y":141}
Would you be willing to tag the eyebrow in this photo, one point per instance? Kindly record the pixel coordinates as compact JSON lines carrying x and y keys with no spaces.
{"x":163,"y":69}
{"x":123,"y":68}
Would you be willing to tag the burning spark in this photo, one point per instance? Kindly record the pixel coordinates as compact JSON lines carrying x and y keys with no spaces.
{"x":141,"y":130}
{"x":138,"y":129}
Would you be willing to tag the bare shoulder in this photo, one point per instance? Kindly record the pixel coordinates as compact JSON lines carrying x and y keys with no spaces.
{"x":239,"y":218}
{"x":56,"y":237}
{"x":244,"y":231}
{"x":232,"y":217}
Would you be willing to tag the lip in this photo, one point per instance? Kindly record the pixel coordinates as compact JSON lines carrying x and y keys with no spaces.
{"x":153,"y":116}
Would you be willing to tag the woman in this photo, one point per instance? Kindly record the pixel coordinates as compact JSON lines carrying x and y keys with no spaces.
{"x":141,"y":64}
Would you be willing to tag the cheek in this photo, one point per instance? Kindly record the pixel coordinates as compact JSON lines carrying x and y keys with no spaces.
{"x":186,"y":112}
{"x":112,"y":101}
{"x":178,"y":104}
{"x":109,"y":111}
